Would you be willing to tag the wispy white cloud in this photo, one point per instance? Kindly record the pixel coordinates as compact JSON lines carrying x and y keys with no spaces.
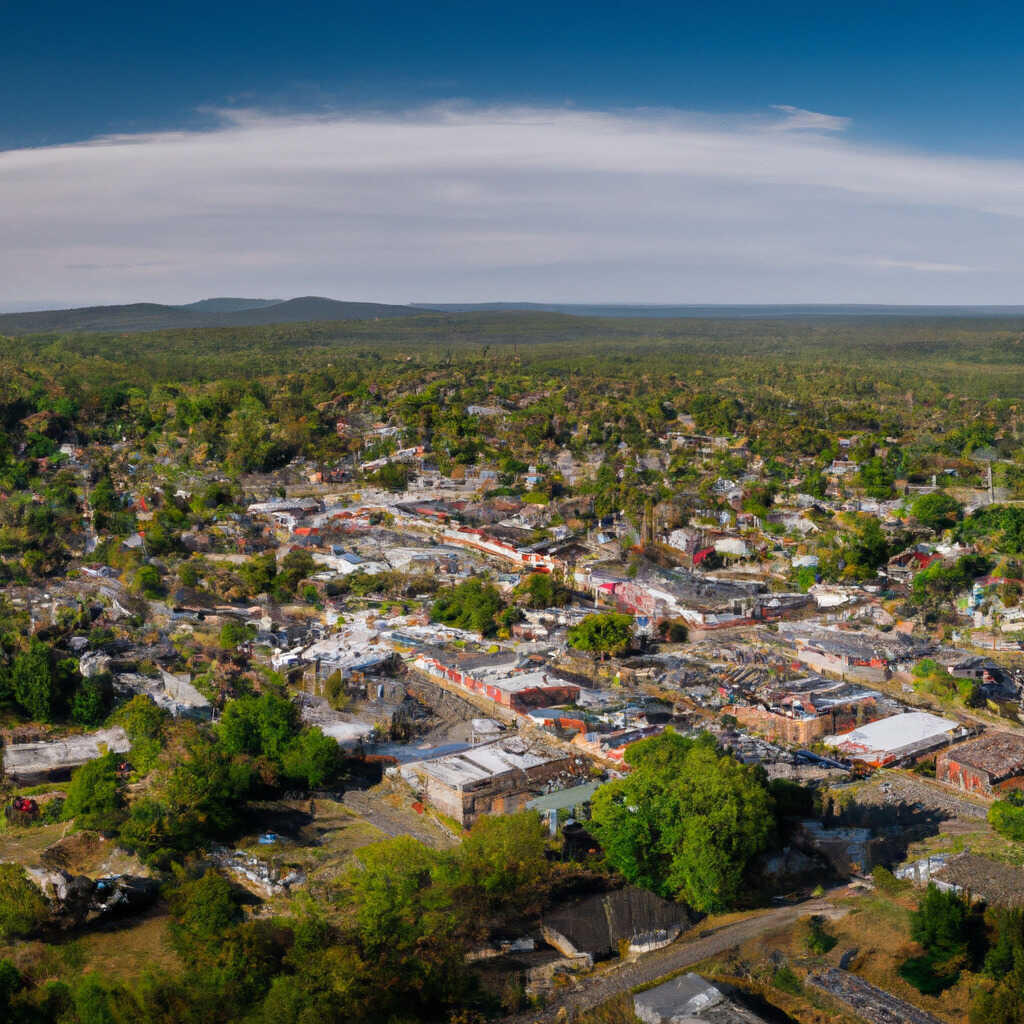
{"x":462,"y":202}
{"x":925,"y":266}
{"x":797,"y":119}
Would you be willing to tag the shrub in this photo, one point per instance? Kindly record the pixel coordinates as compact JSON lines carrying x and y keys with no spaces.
{"x":22,"y":907}
{"x":819,"y":940}
{"x":785,"y":980}
{"x":94,"y":797}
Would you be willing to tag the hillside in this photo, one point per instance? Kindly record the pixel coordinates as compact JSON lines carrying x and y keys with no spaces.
{"x":225,"y":312}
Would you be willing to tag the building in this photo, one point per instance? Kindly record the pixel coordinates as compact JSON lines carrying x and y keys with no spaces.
{"x":492,"y":778}
{"x":864,"y":655}
{"x":987,"y":765}
{"x":27,"y":764}
{"x":501,"y":678}
{"x":898,"y":739}
{"x":805,"y":710}
{"x":689,"y":997}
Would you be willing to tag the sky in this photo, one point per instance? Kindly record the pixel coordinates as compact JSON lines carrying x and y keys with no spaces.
{"x":559,"y":152}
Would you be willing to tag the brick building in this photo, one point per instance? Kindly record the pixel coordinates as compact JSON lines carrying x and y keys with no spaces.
{"x":987,"y":765}
{"x":492,"y":778}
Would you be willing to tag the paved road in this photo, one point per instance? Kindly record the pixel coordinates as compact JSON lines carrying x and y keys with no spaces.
{"x":600,"y":987}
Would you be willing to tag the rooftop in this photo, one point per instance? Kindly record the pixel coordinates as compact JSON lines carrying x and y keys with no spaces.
{"x":485,"y":762}
{"x":895,"y":734}
{"x":999,"y":754}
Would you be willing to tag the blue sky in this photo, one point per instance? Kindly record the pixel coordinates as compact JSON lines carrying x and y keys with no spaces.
{"x":795,"y":152}
{"x":939,"y":75}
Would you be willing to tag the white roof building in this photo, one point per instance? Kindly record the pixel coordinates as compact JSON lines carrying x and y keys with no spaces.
{"x":898,"y":738}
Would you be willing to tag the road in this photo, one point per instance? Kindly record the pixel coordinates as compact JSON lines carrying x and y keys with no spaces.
{"x":602,"y":986}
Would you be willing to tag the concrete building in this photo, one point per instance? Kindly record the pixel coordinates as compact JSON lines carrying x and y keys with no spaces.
{"x":691,"y":998}
{"x":28,"y":764}
{"x":492,"y":778}
{"x":987,"y":765}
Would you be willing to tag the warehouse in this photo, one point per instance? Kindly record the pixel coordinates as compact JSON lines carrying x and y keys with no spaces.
{"x":898,"y":739}
{"x":492,"y":778}
{"x":986,"y":765}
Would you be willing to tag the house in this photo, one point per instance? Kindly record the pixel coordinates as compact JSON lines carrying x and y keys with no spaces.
{"x":988,"y":765}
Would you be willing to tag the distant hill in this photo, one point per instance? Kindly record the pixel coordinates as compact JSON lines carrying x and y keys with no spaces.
{"x":220,"y":312}
{"x":228,"y":305}
{"x":722,"y":312}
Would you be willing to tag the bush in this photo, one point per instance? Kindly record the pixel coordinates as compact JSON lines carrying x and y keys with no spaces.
{"x":785,"y":980}
{"x":22,"y":907}
{"x":94,"y":797}
{"x":819,"y":940}
{"x":1007,"y":816}
{"x":923,"y":973}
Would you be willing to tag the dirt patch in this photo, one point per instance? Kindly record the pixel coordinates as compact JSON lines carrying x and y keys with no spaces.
{"x":26,"y":844}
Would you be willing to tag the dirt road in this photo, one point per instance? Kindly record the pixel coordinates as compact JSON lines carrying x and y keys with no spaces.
{"x":682,"y":954}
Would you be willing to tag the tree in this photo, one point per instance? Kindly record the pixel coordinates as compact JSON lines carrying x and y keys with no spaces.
{"x":263,"y":725}
{"x":1007,"y":816}
{"x":22,"y":907}
{"x":145,"y":723}
{"x":867,"y":548}
{"x":94,"y":797}
{"x":542,"y":590}
{"x":876,"y":478}
{"x":502,"y":861}
{"x":197,"y":795}
{"x":936,"y":511}
{"x":312,"y":758}
{"x":406,"y":928}
{"x":147,"y":582}
{"x":234,"y":633}
{"x":472,"y":605}
{"x":91,"y":701}
{"x":202,"y":910}
{"x":686,"y":821}
{"x":34,"y":682}
{"x":941,"y":924}
{"x":603,"y":633}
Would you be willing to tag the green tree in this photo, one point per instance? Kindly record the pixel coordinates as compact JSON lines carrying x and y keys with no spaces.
{"x":94,"y":797}
{"x":542,"y":590}
{"x":686,"y":822}
{"x":91,"y":701}
{"x":1007,"y":816}
{"x":312,"y":758}
{"x":22,"y":907}
{"x":502,"y":863}
{"x":263,"y":725}
{"x":145,"y":723}
{"x":603,"y":633}
{"x":33,"y":681}
{"x":472,"y":605}
{"x":936,"y":511}
{"x":147,"y":582}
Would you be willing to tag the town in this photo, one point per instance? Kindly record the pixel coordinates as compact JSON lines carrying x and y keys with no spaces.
{"x":604,"y":657}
